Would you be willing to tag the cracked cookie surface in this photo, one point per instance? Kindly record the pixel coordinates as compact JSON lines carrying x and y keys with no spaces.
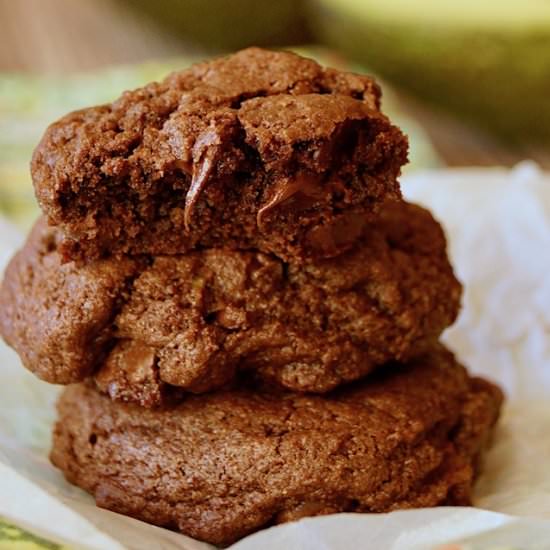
{"x":220,"y":466}
{"x":145,"y":326}
{"x":255,"y":150}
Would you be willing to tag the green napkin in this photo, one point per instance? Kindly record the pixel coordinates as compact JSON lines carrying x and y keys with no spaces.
{"x":15,"y":538}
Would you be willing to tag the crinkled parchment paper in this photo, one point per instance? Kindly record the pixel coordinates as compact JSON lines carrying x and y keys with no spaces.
{"x":498,"y":224}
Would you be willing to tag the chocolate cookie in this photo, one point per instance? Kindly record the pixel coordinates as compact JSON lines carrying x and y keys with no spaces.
{"x":258,"y":150}
{"x":141,"y":324}
{"x":220,"y":466}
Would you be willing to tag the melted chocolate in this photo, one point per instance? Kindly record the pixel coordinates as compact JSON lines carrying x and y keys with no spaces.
{"x":307,"y":185}
{"x":205,"y":151}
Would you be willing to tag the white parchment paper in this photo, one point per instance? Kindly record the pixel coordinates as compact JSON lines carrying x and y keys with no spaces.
{"x":498,"y":225}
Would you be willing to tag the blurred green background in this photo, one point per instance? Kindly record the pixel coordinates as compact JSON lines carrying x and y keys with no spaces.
{"x":469,"y":81}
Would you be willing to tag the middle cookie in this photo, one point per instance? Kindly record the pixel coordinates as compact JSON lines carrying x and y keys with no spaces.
{"x":141,"y":325}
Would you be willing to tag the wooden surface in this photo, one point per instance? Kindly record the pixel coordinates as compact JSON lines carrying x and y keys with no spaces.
{"x":75,"y":35}
{"x":70,"y":35}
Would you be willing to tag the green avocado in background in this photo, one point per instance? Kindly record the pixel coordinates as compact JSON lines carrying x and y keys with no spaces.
{"x":224,"y":25}
{"x":487,"y":62}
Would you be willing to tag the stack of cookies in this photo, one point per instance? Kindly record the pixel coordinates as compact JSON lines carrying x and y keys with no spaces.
{"x":246,"y":310}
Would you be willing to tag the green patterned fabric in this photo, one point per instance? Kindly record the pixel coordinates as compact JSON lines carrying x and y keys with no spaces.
{"x":15,"y":538}
{"x":29,"y":103}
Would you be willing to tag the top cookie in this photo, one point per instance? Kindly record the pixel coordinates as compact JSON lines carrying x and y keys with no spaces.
{"x":260,"y":149}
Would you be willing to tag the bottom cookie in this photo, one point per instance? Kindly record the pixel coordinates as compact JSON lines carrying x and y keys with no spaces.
{"x":222,"y":465}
